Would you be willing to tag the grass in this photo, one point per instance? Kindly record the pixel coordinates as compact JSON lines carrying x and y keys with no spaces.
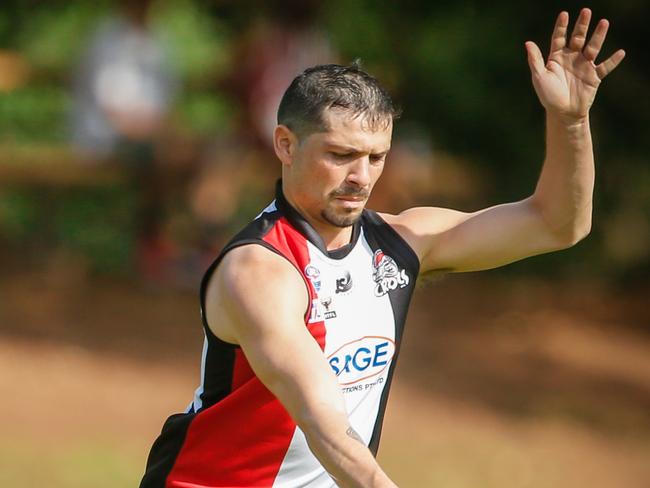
{"x":77,"y":464}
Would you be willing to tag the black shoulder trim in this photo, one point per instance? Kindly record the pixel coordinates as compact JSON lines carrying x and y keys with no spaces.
{"x":372,"y":218}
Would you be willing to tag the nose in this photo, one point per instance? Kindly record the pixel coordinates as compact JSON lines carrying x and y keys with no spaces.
{"x":359,"y":174}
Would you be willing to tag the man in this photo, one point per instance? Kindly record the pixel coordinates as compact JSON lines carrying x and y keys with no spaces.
{"x":303,"y":311}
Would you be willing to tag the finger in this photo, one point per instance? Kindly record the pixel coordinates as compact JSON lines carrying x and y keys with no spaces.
{"x":607,"y":66}
{"x":558,"y":38}
{"x":592,"y":48}
{"x":580,"y":30}
{"x":535,"y":58}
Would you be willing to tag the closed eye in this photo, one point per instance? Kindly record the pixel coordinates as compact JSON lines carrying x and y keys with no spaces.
{"x":342,"y":156}
{"x":347,"y":156}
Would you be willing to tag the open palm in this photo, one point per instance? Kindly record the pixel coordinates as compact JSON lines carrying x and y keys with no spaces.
{"x":567,"y":83}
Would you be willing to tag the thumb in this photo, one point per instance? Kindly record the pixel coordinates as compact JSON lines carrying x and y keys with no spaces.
{"x":535,"y":58}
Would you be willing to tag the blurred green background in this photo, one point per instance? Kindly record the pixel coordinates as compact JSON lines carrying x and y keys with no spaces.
{"x":92,"y":304}
{"x":458,"y":71}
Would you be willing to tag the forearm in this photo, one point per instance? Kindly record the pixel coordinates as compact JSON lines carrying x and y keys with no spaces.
{"x":344,"y":455}
{"x":320,"y":412}
{"x":564,"y":191}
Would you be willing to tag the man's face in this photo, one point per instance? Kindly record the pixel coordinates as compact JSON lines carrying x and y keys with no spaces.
{"x":333,"y":172}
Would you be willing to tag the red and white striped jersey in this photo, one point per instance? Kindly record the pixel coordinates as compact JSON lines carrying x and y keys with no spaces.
{"x":235,"y":433}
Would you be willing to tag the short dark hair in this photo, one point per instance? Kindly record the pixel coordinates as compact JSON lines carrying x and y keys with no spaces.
{"x":334,"y":86}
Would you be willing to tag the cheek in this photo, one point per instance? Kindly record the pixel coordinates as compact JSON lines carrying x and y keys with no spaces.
{"x":328,"y":177}
{"x":319,"y":180}
{"x":375,"y":172}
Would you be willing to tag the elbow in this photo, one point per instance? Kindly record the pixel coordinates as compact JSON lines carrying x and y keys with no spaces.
{"x":564,"y":230}
{"x":582,"y":232}
{"x":573,"y":235}
{"x":581,"y":228}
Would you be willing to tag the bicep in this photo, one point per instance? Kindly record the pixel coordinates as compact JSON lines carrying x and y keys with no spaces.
{"x":449,"y":240}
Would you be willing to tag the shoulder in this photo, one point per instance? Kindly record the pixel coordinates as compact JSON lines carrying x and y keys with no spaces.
{"x":252,"y":284}
{"x":433,"y":218}
{"x":256,"y":264}
{"x":419,"y":226}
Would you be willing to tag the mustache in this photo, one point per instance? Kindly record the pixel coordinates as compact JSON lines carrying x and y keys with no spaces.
{"x":350,"y":191}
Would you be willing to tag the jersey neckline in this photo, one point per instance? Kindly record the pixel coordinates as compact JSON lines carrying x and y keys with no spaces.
{"x":305,"y":228}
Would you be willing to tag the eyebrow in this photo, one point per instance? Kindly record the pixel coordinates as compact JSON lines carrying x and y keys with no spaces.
{"x":339,"y":147}
{"x":352,"y":150}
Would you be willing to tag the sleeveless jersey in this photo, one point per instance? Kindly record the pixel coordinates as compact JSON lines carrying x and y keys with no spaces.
{"x":235,"y":433}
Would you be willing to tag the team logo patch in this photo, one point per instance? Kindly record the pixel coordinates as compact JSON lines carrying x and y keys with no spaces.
{"x":327,"y":304}
{"x":313,"y":273}
{"x":344,"y":284}
{"x":321,"y":309}
{"x":361,"y":359}
{"x":387,"y":275}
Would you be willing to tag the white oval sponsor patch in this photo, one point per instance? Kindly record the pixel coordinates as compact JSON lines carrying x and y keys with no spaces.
{"x":361,"y":359}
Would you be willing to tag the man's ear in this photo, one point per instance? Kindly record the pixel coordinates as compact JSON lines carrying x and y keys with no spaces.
{"x":285,"y":144}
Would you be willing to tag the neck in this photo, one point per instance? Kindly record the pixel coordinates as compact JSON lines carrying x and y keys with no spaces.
{"x":333,"y":237}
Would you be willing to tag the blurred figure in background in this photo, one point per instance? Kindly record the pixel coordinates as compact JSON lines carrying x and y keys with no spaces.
{"x":123,"y":91}
{"x":274,"y":50}
{"x":123,"y":86}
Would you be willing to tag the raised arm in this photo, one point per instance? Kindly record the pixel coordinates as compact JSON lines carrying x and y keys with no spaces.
{"x":260,"y":300}
{"x":558,"y":214}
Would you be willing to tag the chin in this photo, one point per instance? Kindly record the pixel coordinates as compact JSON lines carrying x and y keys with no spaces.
{"x":341,"y":219}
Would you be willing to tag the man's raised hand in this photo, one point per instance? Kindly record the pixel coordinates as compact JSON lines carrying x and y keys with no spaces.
{"x":566,"y":85}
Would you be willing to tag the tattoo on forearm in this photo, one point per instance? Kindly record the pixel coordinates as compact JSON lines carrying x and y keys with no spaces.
{"x":353,"y":433}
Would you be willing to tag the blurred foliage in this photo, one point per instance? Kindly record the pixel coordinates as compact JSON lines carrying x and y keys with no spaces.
{"x":34,"y":114}
{"x":95,"y":224}
{"x":50,"y":34}
{"x":205,"y":113}
{"x":18,"y":216}
{"x":458,"y":70}
{"x":98,"y":225}
{"x":197,"y":42}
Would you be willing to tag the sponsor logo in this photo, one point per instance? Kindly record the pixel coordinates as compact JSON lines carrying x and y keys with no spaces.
{"x":313,"y":273}
{"x":327,"y":303}
{"x":344,"y":284}
{"x":361,"y":359}
{"x":387,"y":275}
{"x":321,"y":309}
